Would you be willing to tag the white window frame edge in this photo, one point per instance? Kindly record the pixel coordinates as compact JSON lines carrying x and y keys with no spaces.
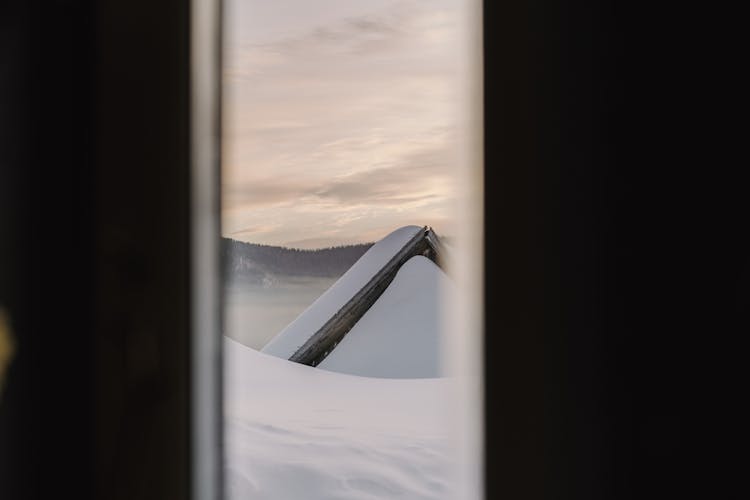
{"x":206,"y":348}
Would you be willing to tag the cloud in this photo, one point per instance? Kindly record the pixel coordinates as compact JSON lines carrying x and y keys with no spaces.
{"x":251,"y":230}
{"x":416,"y":177}
{"x":262,"y":193}
{"x":341,"y":123}
{"x":419,"y":28}
{"x":412,"y":179}
{"x":352,"y":35}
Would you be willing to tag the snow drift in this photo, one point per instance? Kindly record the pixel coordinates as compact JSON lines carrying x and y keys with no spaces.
{"x":297,"y":432}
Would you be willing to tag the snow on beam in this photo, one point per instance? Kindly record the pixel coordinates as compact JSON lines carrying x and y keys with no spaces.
{"x":310,"y":337}
{"x":323,"y":341}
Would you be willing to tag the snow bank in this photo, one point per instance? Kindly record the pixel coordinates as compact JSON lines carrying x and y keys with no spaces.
{"x":297,"y":432}
{"x":399,"y":336}
{"x":314,"y":317}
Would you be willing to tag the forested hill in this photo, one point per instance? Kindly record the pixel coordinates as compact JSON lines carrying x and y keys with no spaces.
{"x":257,"y":263}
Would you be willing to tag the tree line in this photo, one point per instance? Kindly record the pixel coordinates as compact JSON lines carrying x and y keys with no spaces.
{"x":252,"y":260}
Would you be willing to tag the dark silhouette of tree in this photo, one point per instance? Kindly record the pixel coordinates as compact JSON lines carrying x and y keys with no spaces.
{"x":254,"y":262}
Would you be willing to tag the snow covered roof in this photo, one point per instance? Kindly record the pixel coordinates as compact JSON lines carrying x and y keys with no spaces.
{"x":289,"y":340}
{"x":399,"y":336}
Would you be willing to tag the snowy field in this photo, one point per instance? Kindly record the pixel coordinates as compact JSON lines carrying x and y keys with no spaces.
{"x":375,"y":420}
{"x":301,"y":433}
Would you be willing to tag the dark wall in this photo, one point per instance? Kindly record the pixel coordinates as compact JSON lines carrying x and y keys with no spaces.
{"x":616,"y":268}
{"x":142,"y":248}
{"x":45,"y":413}
{"x":94,"y":155}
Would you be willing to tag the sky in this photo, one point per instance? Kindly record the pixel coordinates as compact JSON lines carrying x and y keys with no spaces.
{"x":341,"y":118}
